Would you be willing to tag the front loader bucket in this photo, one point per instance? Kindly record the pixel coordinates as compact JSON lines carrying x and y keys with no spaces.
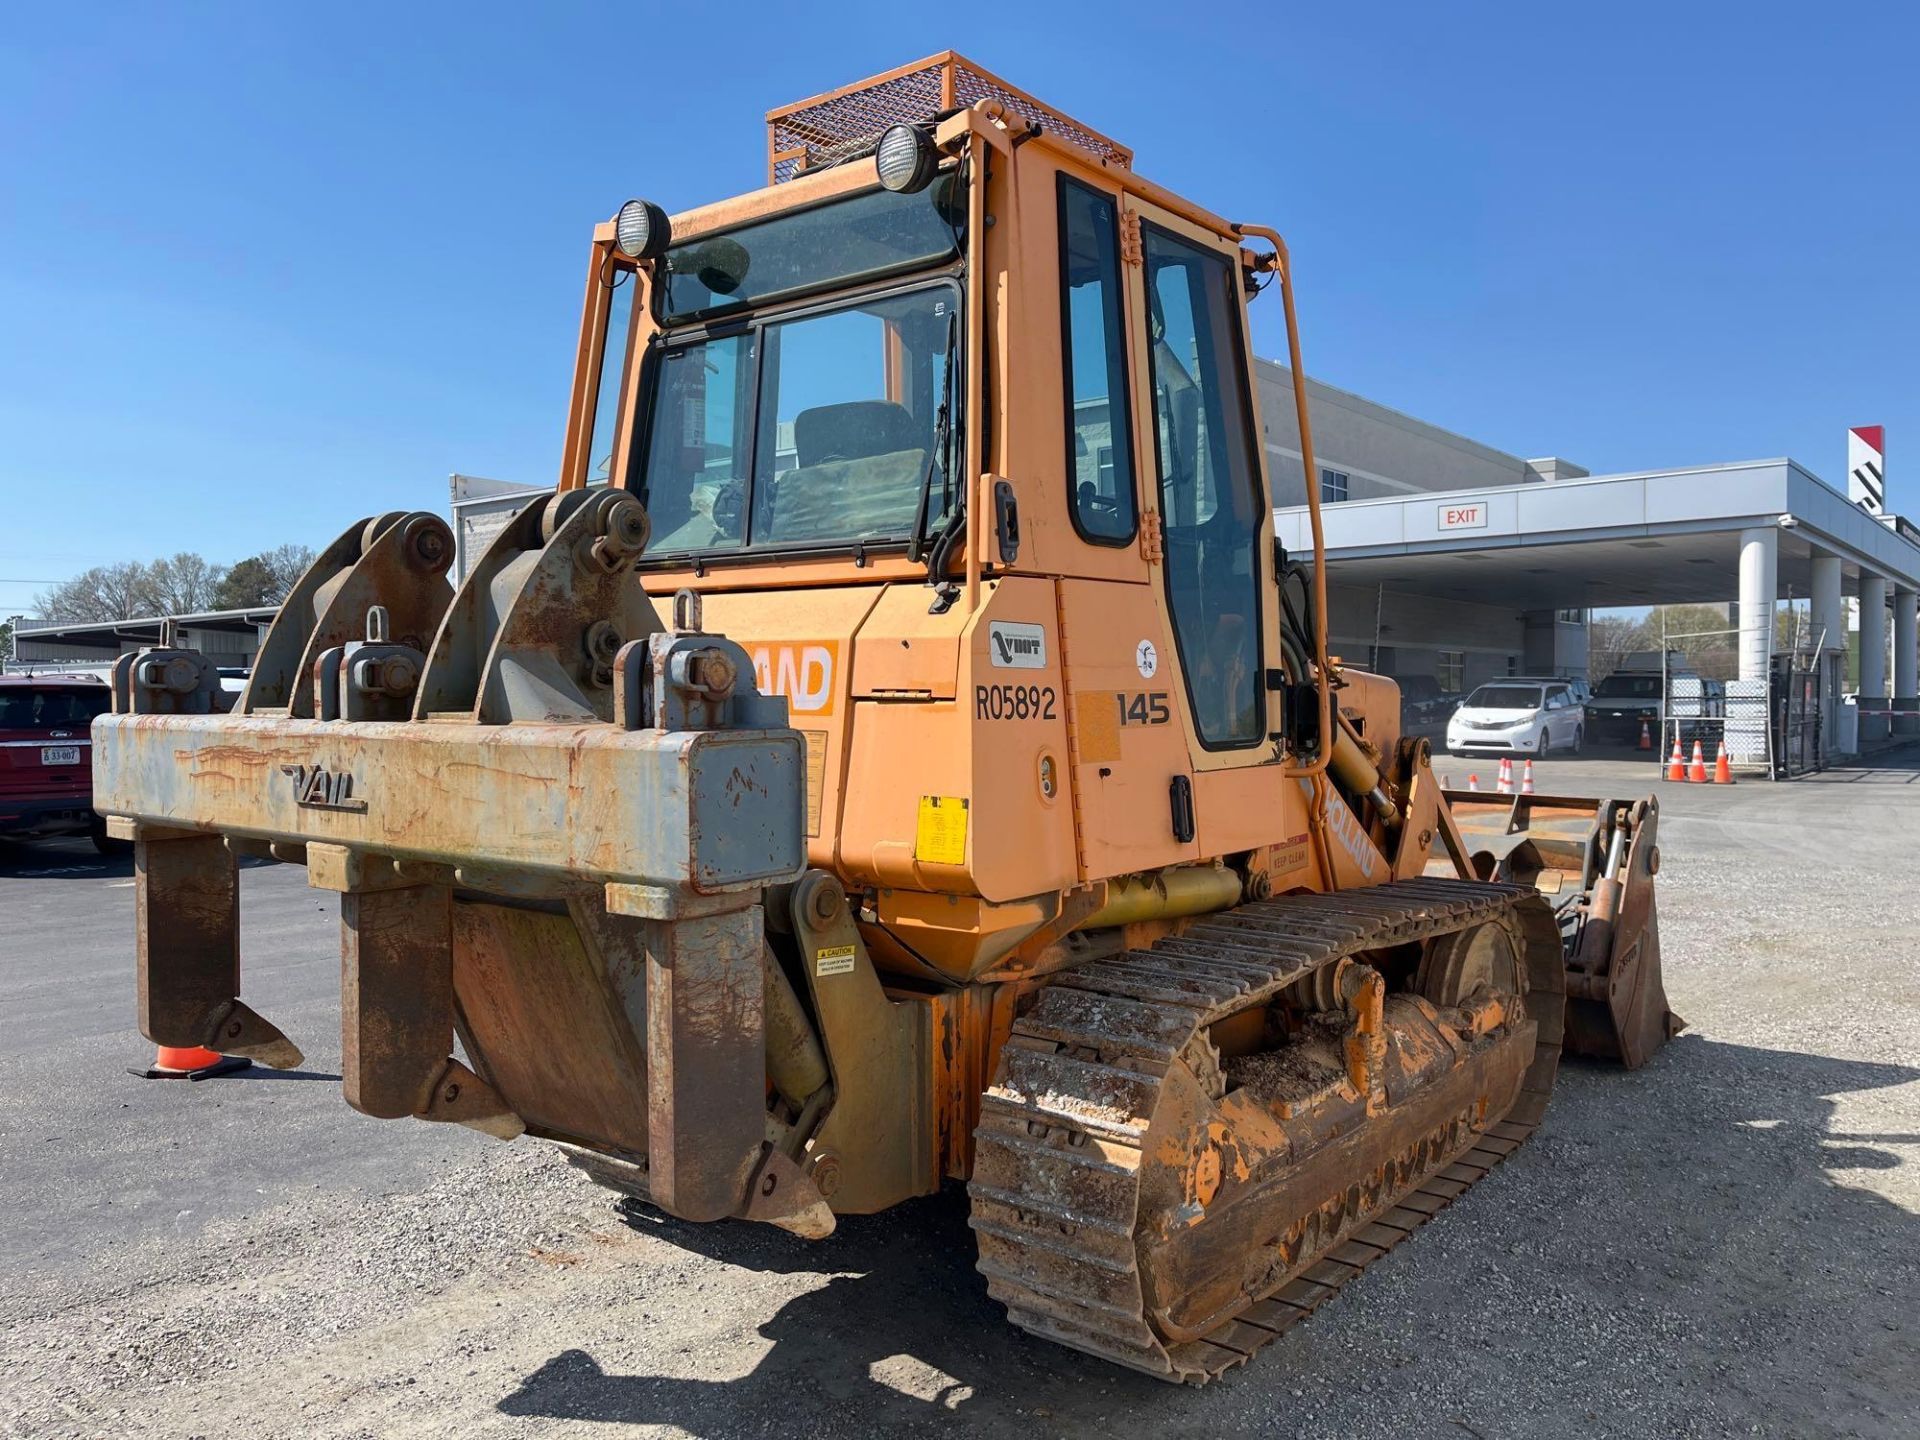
{"x":1595,"y":861}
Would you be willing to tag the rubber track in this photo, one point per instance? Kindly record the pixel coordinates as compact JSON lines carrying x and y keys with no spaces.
{"x":1055,"y":1221}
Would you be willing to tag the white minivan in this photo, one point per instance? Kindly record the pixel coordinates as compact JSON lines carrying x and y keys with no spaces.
{"x":1528,"y":716}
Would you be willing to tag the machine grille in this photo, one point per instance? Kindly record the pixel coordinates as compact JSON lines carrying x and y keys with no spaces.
{"x":845,"y":123}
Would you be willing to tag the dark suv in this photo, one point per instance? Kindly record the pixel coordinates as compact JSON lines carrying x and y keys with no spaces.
{"x":46,"y":756}
{"x":1422,"y":703}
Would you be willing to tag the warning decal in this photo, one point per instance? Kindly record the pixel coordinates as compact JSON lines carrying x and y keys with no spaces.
{"x":816,"y":776}
{"x":833,"y":960}
{"x":1291,"y":854}
{"x":940,"y":835}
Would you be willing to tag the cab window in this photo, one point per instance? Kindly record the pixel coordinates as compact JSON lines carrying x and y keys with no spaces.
{"x":1094,"y":339}
{"x":701,"y":445}
{"x":613,"y":362}
{"x":1209,"y":487}
{"x":831,"y":427}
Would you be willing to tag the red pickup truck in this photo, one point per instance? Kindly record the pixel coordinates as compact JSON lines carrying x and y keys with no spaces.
{"x":46,"y":756}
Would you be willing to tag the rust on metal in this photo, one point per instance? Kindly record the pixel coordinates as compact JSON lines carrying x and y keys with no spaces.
{"x":881,"y":1052}
{"x":552,"y":1009}
{"x":457,"y":1096}
{"x":396,"y":996}
{"x":1130,"y":1202}
{"x":1598,"y":858}
{"x":782,"y":1194}
{"x":187,"y":933}
{"x":706,"y":1085}
{"x":997,"y":906}
{"x":186,"y":899}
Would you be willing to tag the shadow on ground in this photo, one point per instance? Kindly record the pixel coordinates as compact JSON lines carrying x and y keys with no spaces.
{"x":75,"y":859}
{"x":904,"y":1285}
{"x":1899,"y":765}
{"x":51,"y":859}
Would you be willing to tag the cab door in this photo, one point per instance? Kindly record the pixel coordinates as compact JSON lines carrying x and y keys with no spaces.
{"x":1204,"y":479}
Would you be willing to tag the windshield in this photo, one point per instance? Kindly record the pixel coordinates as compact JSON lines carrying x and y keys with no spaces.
{"x":1506,"y":697}
{"x":819,"y":429}
{"x":861,"y":237}
{"x":54,"y":708}
{"x":1629,"y":687}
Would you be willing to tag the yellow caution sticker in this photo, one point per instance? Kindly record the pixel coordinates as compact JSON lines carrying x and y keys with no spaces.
{"x":833,"y":960}
{"x":940,"y":836}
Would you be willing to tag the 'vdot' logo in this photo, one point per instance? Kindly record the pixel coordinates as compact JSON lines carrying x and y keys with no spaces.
{"x":318,"y":788}
{"x":1016,"y":646}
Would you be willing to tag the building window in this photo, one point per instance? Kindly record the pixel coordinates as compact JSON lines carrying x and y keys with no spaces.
{"x":1571,"y":617}
{"x":1451,"y":671}
{"x":1334,"y":486}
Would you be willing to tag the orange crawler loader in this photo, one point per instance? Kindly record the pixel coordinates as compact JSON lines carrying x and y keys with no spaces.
{"x":897,"y":753}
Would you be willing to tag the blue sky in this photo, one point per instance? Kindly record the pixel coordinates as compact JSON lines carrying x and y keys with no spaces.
{"x":266,"y":269}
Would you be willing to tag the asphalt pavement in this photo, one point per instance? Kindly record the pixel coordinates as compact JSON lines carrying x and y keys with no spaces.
{"x":1722,"y":1243}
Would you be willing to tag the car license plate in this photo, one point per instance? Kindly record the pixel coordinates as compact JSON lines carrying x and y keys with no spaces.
{"x":59,"y":754}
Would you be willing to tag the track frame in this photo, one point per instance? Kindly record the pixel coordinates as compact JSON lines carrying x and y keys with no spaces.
{"x":1064,"y":1135}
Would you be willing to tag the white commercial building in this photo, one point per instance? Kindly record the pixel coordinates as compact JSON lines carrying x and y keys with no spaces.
{"x":1446,"y":557}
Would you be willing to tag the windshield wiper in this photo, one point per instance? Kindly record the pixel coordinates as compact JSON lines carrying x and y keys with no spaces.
{"x":938,"y":455}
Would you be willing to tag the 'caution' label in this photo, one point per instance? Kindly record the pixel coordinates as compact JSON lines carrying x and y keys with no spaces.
{"x":833,"y":960}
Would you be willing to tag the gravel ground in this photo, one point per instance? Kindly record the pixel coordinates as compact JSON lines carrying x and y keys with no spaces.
{"x":1723,"y":1243}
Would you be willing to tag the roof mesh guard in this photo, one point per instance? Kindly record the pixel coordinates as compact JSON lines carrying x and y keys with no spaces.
{"x":847,"y":122}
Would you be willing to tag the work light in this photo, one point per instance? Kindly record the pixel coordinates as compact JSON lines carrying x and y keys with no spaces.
{"x":905,"y":158}
{"x":641,"y":230}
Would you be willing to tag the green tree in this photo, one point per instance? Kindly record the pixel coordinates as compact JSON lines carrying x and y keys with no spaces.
{"x":248,"y":584}
{"x":1794,"y":633}
{"x":1700,"y":632}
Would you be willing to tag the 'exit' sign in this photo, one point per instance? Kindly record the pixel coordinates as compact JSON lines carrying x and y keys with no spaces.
{"x":1463,"y":517}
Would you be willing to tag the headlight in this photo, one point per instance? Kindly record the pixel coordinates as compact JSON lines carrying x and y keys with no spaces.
{"x":641,"y":230}
{"x":905,"y":159}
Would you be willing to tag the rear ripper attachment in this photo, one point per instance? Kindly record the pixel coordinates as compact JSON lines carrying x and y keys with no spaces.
{"x":550,"y":818}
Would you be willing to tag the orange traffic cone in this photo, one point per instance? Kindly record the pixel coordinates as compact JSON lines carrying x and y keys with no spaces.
{"x":1676,"y":762}
{"x":1526,"y":778}
{"x":1473,"y":782}
{"x":1506,"y":777}
{"x":1646,"y":736}
{"x":1697,"y":771}
{"x":1722,"y":770}
{"x":190,"y":1062}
